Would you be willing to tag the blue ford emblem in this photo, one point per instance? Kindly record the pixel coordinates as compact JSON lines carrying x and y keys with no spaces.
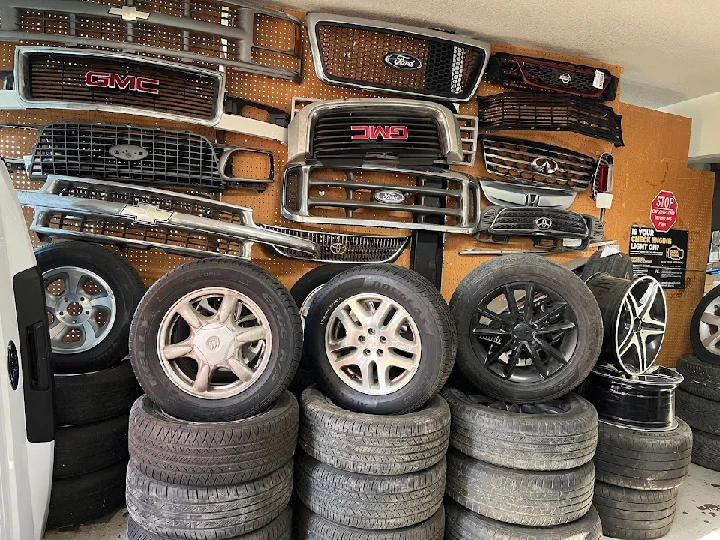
{"x":403,"y":61}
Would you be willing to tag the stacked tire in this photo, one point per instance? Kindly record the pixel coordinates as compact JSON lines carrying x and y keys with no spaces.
{"x":520,"y":471}
{"x":698,"y":403}
{"x":366,"y":476}
{"x":638,"y":475}
{"x":91,"y":295}
{"x":214,"y":344}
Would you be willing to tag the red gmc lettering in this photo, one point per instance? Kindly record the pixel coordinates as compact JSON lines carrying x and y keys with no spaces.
{"x":113,"y":80}
{"x":374,"y":132}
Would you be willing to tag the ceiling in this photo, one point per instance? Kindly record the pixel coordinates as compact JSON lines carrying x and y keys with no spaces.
{"x":670,"y":50}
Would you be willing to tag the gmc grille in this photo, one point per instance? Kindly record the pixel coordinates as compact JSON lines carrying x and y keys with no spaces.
{"x":537,"y":164}
{"x":59,"y":75}
{"x":134,"y":154}
{"x":344,"y":248}
{"x":359,"y":53}
{"x":538,"y":74}
{"x":549,"y":112}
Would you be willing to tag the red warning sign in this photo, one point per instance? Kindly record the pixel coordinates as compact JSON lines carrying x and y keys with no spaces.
{"x":663,"y":211}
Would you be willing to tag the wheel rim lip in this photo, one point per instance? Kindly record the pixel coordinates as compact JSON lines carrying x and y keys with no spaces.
{"x":645,"y":365}
{"x":112,"y":311}
{"x":498,"y":293}
{"x":342,"y":375}
{"x":704,"y":328}
{"x":182,"y":380}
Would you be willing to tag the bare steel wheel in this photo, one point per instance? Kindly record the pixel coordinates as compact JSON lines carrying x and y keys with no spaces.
{"x":215,"y":340}
{"x":81,"y":308}
{"x":228,"y":333}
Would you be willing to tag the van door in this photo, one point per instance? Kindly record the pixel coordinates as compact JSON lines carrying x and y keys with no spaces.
{"x":26,"y":382}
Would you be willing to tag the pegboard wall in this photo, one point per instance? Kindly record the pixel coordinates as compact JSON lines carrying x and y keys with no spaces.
{"x":654,"y":157}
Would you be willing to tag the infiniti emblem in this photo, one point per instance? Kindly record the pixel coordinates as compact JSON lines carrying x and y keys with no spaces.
{"x":338,"y":248}
{"x":213,"y":343}
{"x":543,"y":223}
{"x":403,"y":61}
{"x":565,"y":78}
{"x":389,"y":196}
{"x":545,"y":165}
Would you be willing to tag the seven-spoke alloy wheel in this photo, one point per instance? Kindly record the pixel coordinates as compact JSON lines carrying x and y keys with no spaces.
{"x":216,"y":339}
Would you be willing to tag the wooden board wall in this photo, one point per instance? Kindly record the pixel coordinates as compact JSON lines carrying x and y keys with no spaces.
{"x":654,"y":157}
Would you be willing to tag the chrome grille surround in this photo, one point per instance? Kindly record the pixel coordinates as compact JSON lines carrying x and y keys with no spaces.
{"x":345,"y":248}
{"x":434,"y":195}
{"x":536,"y":164}
{"x":204,"y":31}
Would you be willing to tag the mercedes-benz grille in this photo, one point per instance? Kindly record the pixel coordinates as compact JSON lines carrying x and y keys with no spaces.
{"x":376,"y":55}
{"x":377,"y":196}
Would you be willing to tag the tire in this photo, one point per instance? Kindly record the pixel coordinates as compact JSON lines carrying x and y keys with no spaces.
{"x":617,"y":265}
{"x":127,"y":289}
{"x":85,"y":449}
{"x":266,"y":369}
{"x":698,"y":412}
{"x":370,"y":444}
{"x":531,"y":498}
{"x":91,"y":397}
{"x":462,"y":524}
{"x":563,"y":437}
{"x":279,"y":528}
{"x":633,"y":514}
{"x":711,"y":303}
{"x":87,"y":497}
{"x":544,"y":378}
{"x":212,"y":454}
{"x":643,"y":460}
{"x":701,"y":378}
{"x":367,"y":501}
{"x":310,"y":283}
{"x":706,"y":450}
{"x":311,"y":526}
{"x":204,"y":513}
{"x":429,"y":346}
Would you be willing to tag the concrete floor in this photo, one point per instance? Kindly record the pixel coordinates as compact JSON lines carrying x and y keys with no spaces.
{"x":697,"y":517}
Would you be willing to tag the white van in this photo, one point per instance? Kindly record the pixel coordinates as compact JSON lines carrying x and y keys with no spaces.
{"x":26,"y":381}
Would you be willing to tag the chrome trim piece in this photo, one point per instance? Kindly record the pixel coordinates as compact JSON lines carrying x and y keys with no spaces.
{"x":297,"y":202}
{"x":239,"y":39}
{"x":345,"y":248}
{"x":124,"y":203}
{"x":313,"y":19}
{"x":511,"y":195}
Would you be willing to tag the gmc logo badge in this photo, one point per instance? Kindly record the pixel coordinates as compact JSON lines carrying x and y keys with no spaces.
{"x":375,"y":132}
{"x":130,"y":82}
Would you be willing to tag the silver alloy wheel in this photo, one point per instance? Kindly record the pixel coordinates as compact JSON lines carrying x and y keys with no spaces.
{"x":228,"y":332}
{"x":373,"y":344}
{"x":81,"y":313}
{"x":709,"y":327}
{"x":640,"y":325}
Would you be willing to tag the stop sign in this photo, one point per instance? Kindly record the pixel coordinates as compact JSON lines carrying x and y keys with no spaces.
{"x":663,"y":211}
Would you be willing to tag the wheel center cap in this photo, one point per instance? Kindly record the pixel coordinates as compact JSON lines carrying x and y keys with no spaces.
{"x":523,"y":332}
{"x":214,"y":342}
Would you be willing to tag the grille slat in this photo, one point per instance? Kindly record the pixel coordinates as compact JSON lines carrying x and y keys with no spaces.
{"x":549,"y":112}
{"x":359,"y":53}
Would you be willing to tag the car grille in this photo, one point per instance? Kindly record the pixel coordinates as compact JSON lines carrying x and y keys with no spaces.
{"x":377,"y":196}
{"x":345,"y":248}
{"x":359,"y":53}
{"x":116,"y":231}
{"x":525,"y":73}
{"x":549,"y":112}
{"x":548,"y":227}
{"x":59,"y":75}
{"x":134,"y":154}
{"x":537,"y":164}
{"x":229,"y":33}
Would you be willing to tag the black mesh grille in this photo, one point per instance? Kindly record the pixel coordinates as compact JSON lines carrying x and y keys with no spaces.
{"x":549,"y":112}
{"x":354,"y":54}
{"x":526,"y":73}
{"x":332,"y":138}
{"x":537,"y":164}
{"x":178,"y":158}
{"x":511,"y":220}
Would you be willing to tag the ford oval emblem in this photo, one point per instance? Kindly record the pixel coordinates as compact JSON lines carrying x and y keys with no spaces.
{"x":128,"y":152}
{"x":403,"y":61}
{"x":389,"y":196}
